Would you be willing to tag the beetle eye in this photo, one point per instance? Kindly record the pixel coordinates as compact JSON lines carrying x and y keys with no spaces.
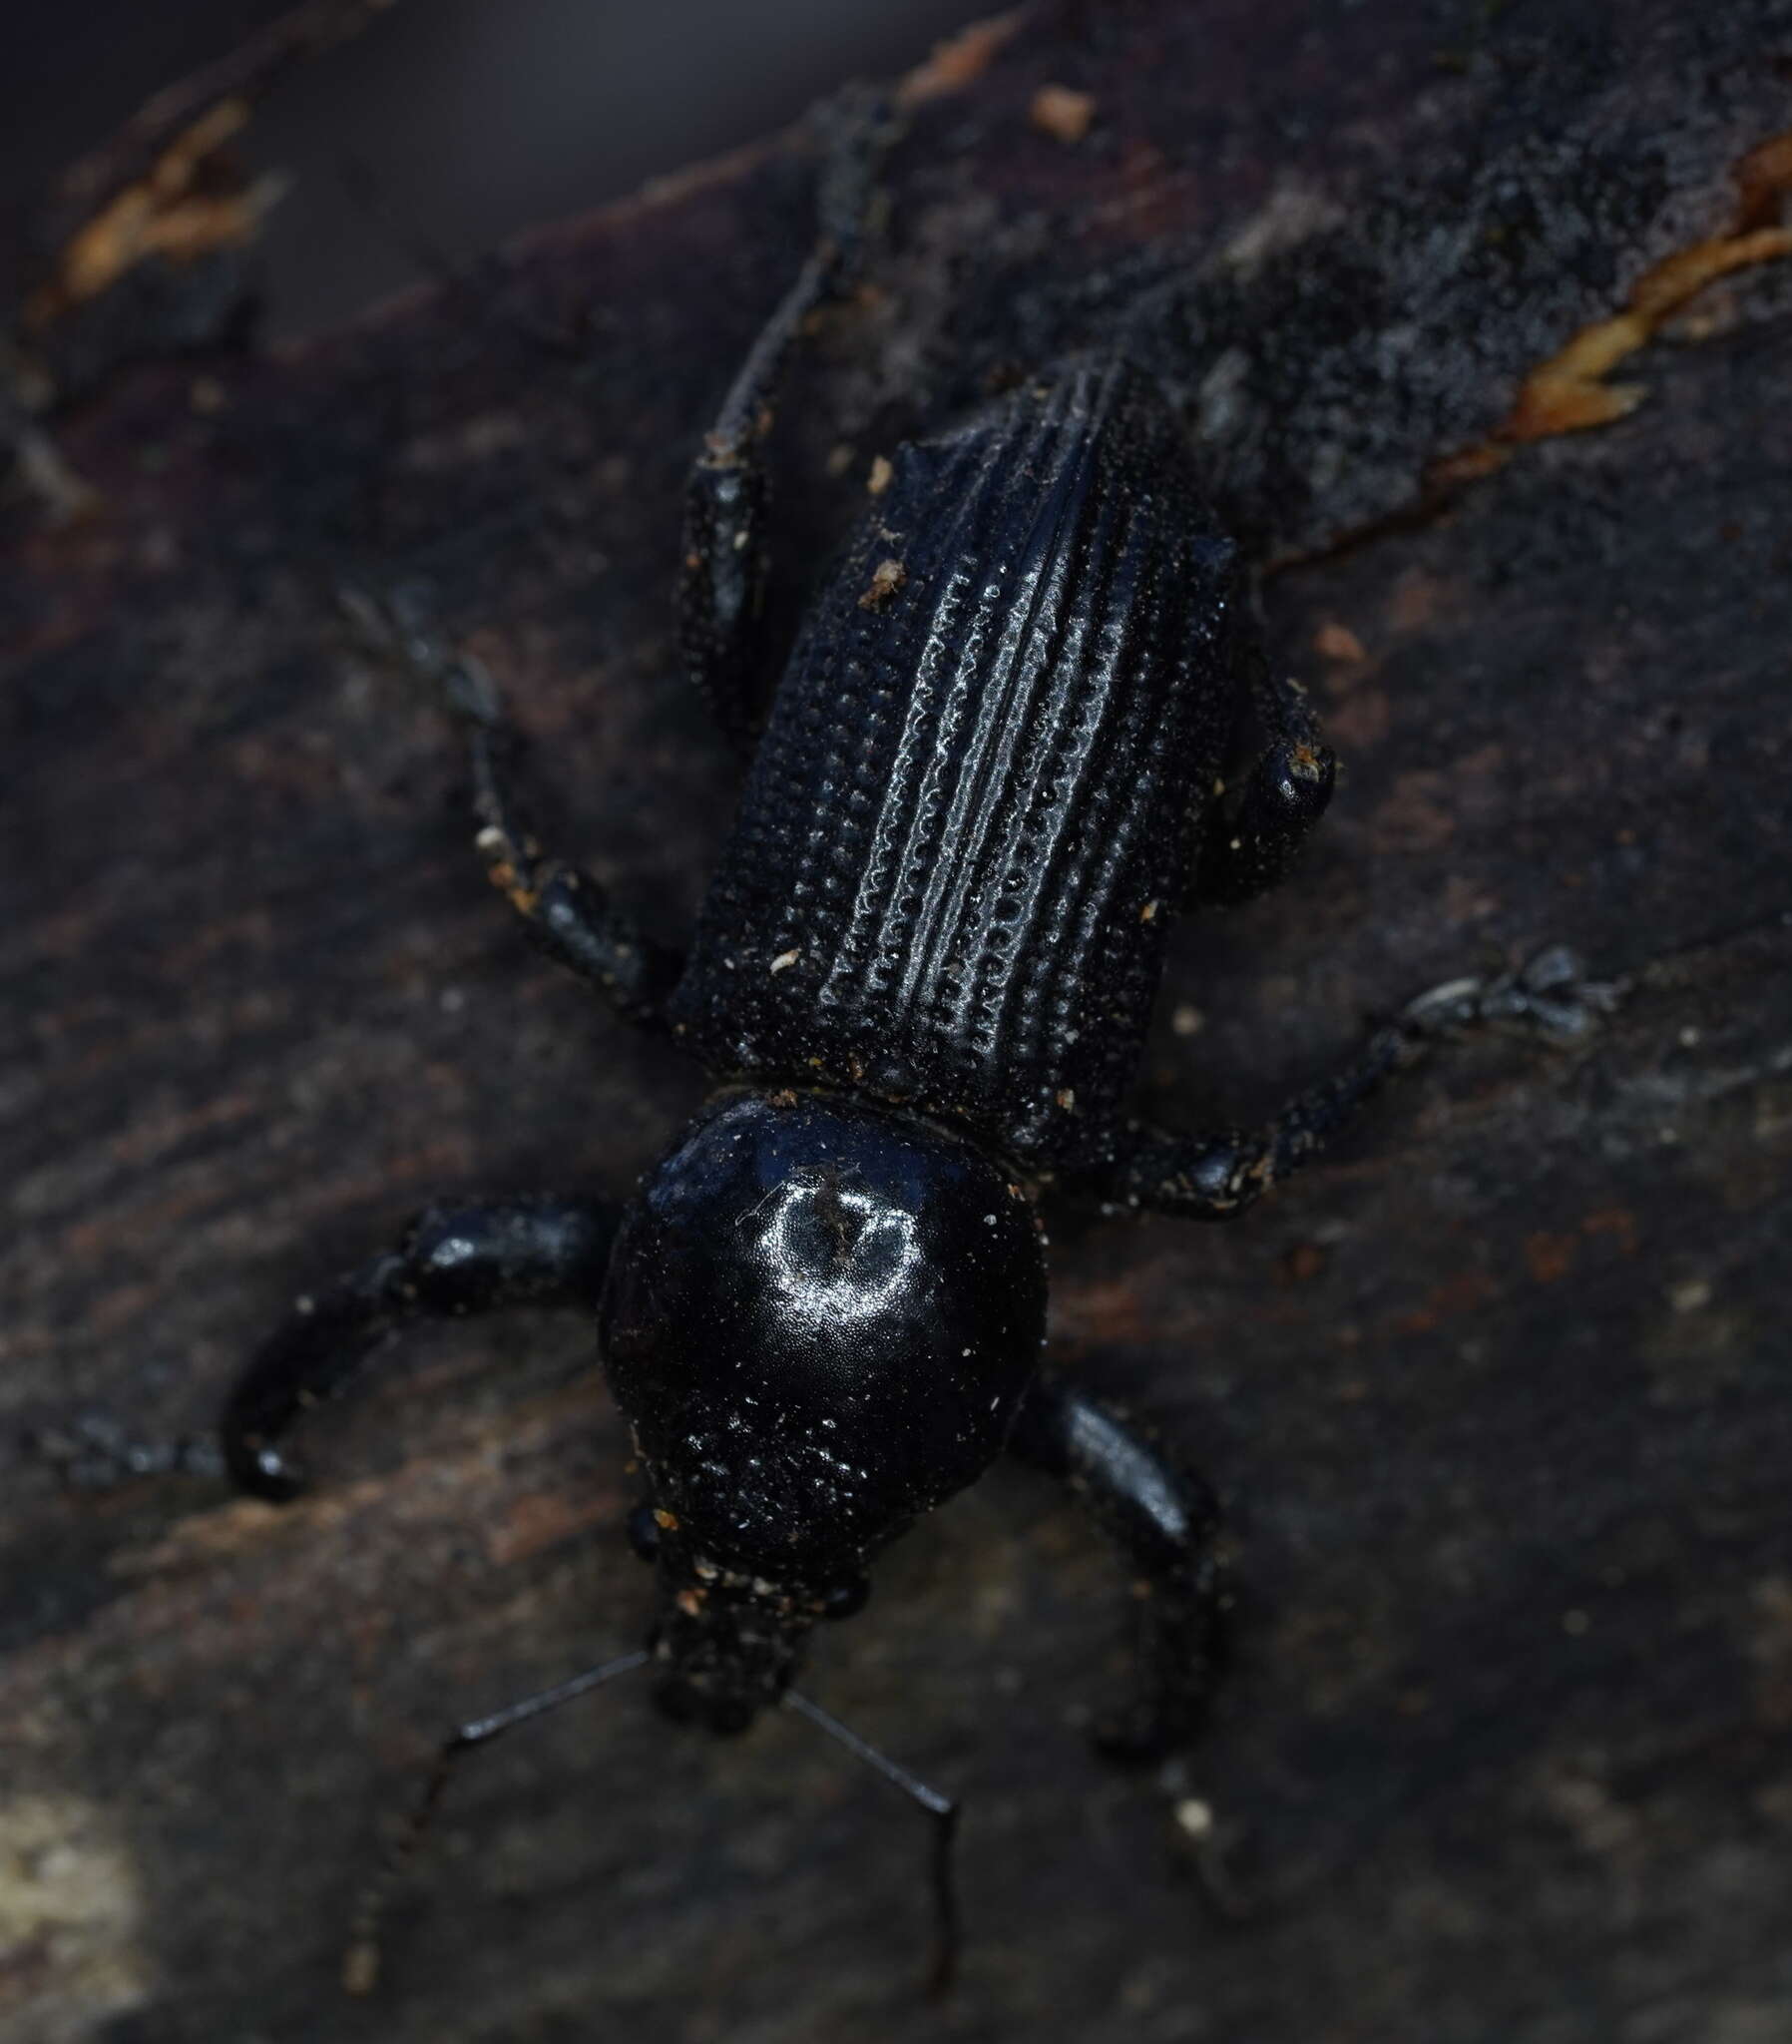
{"x":844,"y":1598}
{"x":644,"y":1532}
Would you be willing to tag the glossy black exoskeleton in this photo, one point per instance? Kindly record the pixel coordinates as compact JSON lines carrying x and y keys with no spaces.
{"x":990,"y":777}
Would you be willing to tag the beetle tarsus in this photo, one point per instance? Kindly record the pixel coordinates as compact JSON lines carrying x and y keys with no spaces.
{"x":1549,"y":996}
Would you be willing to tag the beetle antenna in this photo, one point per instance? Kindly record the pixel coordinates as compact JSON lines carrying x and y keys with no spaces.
{"x":360,"y":1962}
{"x":944,"y":1811}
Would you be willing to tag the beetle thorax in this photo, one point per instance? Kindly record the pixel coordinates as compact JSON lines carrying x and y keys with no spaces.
{"x":820,"y":1320}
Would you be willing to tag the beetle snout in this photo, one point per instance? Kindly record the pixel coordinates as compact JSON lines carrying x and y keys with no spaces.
{"x":722,"y":1651}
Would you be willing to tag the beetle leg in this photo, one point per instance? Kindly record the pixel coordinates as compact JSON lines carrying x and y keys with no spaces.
{"x":1217,"y":1173}
{"x":724,"y":555}
{"x":1164,"y":1518}
{"x":1248,"y":845}
{"x":456,"y":1258}
{"x":569,"y":914}
{"x":1214,"y":1174}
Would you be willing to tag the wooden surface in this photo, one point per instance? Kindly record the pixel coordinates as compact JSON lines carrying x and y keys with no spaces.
{"x":1498,"y":1396}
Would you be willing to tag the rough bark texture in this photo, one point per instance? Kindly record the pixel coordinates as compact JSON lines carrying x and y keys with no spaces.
{"x":1497,"y":1394}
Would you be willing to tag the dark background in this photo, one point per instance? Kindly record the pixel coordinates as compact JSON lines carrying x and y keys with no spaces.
{"x":475,"y":118}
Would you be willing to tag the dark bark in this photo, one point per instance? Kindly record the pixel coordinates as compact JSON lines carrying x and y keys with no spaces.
{"x":1498,"y":1396}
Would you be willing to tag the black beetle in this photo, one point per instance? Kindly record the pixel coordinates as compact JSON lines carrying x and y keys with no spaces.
{"x":989,"y":779}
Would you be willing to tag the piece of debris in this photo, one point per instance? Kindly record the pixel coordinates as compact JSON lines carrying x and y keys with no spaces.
{"x":1061,"y":113}
{"x":886,"y":578}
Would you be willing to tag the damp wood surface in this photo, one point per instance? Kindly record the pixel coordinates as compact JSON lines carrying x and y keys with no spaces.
{"x":1496,"y":1394}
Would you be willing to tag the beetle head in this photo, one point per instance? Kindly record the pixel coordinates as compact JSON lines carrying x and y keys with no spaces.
{"x":726,"y":1642}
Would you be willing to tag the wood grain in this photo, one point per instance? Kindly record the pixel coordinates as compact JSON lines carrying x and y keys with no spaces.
{"x":1499,"y":1395}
